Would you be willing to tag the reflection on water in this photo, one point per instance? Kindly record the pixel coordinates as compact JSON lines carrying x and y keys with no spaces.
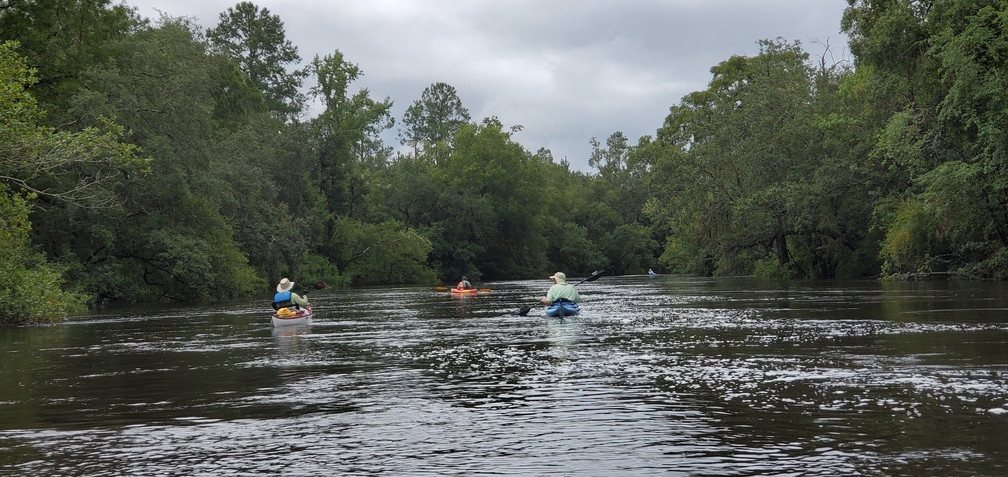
{"x":656,"y":376}
{"x":289,"y":339}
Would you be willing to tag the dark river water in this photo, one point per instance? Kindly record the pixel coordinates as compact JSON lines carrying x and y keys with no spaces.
{"x":657,"y":376}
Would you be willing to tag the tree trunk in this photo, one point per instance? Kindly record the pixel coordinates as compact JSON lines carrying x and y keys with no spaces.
{"x":780,"y":244}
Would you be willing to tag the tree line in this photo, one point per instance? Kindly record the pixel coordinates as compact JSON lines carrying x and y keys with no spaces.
{"x":145,"y":160}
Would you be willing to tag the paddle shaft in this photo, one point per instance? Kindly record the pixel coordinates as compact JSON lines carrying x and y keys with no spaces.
{"x":591,"y":278}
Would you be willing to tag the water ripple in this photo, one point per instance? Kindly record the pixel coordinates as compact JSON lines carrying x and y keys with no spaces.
{"x":656,"y":377}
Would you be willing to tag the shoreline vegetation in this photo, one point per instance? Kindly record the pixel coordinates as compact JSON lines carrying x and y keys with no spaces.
{"x":165,"y":162}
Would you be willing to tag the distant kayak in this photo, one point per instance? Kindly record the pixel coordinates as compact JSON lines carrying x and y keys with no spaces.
{"x":467,"y":291}
{"x":563,"y":308}
{"x":291,"y":316}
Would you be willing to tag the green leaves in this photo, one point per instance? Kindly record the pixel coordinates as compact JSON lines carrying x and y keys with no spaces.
{"x":747,"y":175}
{"x":64,"y":39}
{"x":938,"y":71}
{"x":347,"y":134}
{"x":70,"y":167}
{"x":255,"y":40}
{"x":433,"y":120}
{"x":385,"y":253}
{"x":741,"y":159}
{"x":32,"y":291}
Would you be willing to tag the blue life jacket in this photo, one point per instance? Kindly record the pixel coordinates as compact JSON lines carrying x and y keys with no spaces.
{"x":283,"y":300}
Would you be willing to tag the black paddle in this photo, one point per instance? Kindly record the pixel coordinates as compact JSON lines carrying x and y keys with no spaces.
{"x":590,"y":278}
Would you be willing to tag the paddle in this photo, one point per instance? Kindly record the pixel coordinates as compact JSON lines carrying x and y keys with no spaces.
{"x":447,"y":288}
{"x":590,"y":278}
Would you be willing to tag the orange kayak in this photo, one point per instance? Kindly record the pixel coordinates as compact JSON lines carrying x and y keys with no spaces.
{"x":467,"y":291}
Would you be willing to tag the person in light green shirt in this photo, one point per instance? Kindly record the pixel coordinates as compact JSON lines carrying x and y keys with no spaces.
{"x":561,"y":290}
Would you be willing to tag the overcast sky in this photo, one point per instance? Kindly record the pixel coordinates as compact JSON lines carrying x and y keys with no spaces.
{"x":565,"y":70}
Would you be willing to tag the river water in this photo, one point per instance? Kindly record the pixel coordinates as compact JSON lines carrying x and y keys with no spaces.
{"x":657,"y":376}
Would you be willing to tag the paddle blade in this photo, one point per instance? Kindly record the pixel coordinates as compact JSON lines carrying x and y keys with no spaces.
{"x":441,"y":288}
{"x":523,"y":311}
{"x":484,"y":289}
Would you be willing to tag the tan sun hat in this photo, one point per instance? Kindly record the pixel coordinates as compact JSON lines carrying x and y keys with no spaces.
{"x":559,"y":277}
{"x":285,"y":285}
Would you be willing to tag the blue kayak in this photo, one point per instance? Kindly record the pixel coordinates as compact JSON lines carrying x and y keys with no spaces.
{"x":563,"y":308}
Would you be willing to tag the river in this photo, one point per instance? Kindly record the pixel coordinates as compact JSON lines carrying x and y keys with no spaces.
{"x":667,"y":376}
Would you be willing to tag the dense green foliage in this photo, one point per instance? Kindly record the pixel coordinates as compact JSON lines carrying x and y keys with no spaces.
{"x":937,"y":70}
{"x":747,"y":179}
{"x":147,"y":161}
{"x":37,"y":160}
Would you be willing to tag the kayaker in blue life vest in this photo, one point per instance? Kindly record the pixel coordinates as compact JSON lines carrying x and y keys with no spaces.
{"x":561,"y":290}
{"x":464,"y":284}
{"x":285,"y":298}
